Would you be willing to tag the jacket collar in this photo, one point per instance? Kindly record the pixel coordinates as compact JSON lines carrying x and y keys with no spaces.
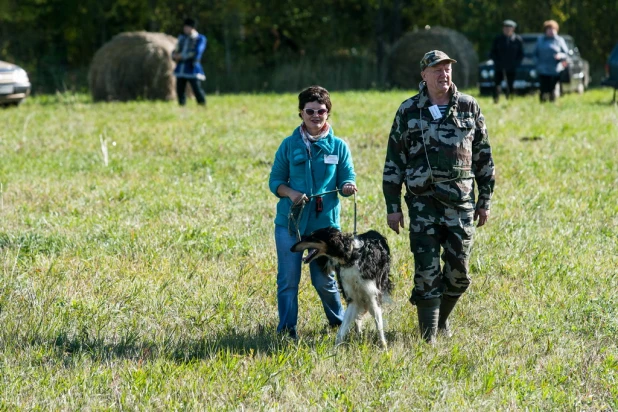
{"x":326,"y":143}
{"x":423,"y":98}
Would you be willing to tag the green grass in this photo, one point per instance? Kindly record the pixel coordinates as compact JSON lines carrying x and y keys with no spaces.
{"x":149,"y":283}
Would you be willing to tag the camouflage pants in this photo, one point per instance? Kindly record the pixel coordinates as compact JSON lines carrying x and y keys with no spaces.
{"x":434,"y":225}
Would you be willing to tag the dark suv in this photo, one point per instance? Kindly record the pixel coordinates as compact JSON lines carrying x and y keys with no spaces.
{"x":611,"y":70}
{"x":526,"y":78}
{"x":14,"y":84}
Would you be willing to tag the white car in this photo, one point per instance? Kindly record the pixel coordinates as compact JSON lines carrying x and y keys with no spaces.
{"x":14,"y":84}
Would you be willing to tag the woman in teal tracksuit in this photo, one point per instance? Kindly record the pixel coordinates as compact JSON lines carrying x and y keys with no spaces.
{"x":309,"y":162}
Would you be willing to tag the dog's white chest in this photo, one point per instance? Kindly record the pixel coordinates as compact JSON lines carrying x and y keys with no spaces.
{"x":359,"y":290}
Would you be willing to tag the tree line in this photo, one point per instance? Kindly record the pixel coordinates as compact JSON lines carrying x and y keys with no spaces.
{"x":276,"y":45}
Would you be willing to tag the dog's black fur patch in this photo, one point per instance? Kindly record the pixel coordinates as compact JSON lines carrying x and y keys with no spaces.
{"x":372,"y":258}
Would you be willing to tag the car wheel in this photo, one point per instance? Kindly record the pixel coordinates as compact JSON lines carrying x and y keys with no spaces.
{"x":486,"y":91}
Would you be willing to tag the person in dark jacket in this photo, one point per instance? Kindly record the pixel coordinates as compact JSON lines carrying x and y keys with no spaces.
{"x":507,"y":53}
{"x":187,"y":55}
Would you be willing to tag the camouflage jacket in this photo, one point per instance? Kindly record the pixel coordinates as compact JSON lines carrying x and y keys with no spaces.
{"x":455,"y":152}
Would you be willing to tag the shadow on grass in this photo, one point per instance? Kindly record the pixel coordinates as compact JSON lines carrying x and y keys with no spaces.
{"x":178,"y":350}
{"x":183,"y":350}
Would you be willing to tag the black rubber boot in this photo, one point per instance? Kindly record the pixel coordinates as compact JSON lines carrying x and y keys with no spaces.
{"x":446,"y":307}
{"x":428,"y":314}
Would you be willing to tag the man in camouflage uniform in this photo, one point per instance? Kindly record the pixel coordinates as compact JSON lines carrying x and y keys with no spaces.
{"x":438,"y":147}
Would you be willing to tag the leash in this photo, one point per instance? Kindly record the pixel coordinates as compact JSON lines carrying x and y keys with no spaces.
{"x":295,"y":220}
{"x":324,"y":193}
{"x":355,"y":232}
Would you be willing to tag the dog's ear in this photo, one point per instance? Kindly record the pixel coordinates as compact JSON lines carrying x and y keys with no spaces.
{"x":338,"y":239}
{"x":325,"y":233}
{"x":334,"y":233}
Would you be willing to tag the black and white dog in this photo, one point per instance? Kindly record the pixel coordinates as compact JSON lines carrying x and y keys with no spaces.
{"x":362,"y":264}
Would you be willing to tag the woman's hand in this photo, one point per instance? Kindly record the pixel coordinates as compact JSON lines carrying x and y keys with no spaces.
{"x":294,"y":195}
{"x":349,"y":188}
{"x":297,"y":197}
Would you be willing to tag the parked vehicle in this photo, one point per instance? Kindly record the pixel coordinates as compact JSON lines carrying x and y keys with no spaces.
{"x":611,"y":71}
{"x":14,"y":84}
{"x":526,"y":78}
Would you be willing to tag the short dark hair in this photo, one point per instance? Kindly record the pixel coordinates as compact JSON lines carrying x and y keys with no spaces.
{"x":314,"y":94}
{"x":189,"y":22}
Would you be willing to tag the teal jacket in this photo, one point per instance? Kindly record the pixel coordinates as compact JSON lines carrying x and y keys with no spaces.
{"x":328,"y":168}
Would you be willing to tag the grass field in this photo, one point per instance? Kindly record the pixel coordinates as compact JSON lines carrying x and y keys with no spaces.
{"x":148,"y":283}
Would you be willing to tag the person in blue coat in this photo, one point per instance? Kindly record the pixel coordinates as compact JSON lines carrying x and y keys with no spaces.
{"x":308,"y":164}
{"x":187,"y":55}
{"x":552,"y":57}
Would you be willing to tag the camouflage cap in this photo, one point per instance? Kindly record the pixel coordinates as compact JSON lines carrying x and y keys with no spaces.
{"x":431,"y":58}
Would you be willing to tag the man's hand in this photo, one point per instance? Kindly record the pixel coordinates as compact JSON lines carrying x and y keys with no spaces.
{"x":395,"y":220}
{"x":482,"y":215}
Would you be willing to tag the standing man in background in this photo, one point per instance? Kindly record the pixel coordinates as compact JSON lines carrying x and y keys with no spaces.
{"x":507,"y":52}
{"x":187,"y":55}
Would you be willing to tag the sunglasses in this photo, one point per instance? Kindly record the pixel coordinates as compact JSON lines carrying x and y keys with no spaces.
{"x":319,"y":112}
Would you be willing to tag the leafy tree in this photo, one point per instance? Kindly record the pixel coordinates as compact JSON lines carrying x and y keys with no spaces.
{"x":248,"y":41}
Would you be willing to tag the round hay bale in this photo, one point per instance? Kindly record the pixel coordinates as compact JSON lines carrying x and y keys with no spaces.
{"x":134,"y":65}
{"x":404,"y":61}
